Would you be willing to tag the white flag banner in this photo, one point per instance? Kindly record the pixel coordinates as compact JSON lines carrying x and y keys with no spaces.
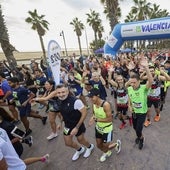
{"x":54,"y":58}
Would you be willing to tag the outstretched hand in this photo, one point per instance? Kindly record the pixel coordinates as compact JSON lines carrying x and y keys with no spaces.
{"x":143,"y":61}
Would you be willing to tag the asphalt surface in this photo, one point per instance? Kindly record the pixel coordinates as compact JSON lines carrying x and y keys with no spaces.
{"x":154,"y":156}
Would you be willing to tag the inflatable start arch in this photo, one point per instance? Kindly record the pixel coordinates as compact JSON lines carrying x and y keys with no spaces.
{"x":142,"y":30}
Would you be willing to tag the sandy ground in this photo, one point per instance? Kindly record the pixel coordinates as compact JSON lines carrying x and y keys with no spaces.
{"x":154,"y":156}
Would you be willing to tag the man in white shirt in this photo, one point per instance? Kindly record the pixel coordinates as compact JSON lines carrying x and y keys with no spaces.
{"x":9,"y":159}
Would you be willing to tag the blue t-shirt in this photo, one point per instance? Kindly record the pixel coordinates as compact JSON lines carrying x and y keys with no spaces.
{"x":20,"y":95}
{"x":41,"y":81}
{"x":6,"y":87}
{"x":100,"y":86}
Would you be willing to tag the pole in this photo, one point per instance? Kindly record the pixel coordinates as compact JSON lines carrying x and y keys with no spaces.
{"x":62,"y":32}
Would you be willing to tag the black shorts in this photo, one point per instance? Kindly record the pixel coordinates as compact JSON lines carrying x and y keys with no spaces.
{"x":67,"y":130}
{"x":122,"y":110}
{"x":106,"y":137}
{"x":155,"y":103}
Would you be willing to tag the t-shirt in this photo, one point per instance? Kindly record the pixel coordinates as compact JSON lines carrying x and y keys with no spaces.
{"x":138,"y":99}
{"x":102,"y":127}
{"x":20,"y":95}
{"x":8,"y":153}
{"x":5,"y":86}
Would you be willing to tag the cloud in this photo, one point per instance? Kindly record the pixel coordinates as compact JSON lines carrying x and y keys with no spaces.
{"x":80,"y":5}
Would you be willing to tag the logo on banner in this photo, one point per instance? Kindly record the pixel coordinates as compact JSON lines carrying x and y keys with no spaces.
{"x":112,"y":40}
{"x":54,"y":58}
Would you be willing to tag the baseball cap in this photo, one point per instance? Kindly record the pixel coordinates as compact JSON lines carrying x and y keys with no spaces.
{"x":93,"y":92}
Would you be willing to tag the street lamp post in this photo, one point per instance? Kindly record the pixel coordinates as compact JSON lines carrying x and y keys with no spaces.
{"x":62,"y":34}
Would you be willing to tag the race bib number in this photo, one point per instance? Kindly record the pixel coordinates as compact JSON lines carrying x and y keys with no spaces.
{"x":17,"y":103}
{"x":66,"y":130}
{"x":137,"y":105}
{"x":99,"y":129}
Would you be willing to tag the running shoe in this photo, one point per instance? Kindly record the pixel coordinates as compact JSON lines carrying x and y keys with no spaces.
{"x":141,"y":143}
{"x":77,"y":154}
{"x":157,"y":118}
{"x":52,"y":136}
{"x":28,"y":141}
{"x":147,"y":123}
{"x":105,"y":156}
{"x":88,"y":151}
{"x":29,"y":131}
{"x":45,"y":158}
{"x":122,"y":126}
{"x":118,"y":146}
{"x":137,"y":140}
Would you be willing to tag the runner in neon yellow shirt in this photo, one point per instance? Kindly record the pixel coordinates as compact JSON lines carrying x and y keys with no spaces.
{"x":102,"y":115}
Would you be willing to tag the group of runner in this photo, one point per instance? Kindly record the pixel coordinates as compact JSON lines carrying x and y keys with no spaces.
{"x":136,"y":81}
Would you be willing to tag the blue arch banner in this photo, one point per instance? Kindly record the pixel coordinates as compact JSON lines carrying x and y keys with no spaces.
{"x":142,"y":30}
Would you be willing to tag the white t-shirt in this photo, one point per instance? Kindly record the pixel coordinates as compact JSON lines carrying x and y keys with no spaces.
{"x":8,"y":152}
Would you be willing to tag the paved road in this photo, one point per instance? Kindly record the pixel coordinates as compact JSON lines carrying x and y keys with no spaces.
{"x":154,"y":156}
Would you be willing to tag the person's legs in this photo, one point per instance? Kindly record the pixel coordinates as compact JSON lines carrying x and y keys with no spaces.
{"x":89,"y":147}
{"x":52,"y":118}
{"x":148,"y":117}
{"x":25,"y":122}
{"x":70,"y":143}
{"x":157,"y":110}
{"x":14,"y":112}
{"x":37,"y":116}
{"x":82,"y":140}
{"x":139,"y":124}
{"x":139,"y":127}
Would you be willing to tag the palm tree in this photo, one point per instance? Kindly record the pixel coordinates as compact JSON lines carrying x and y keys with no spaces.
{"x":78,"y":27}
{"x":100,"y":31}
{"x":40,"y":25}
{"x":94,"y":21}
{"x":156,"y":12}
{"x":112,"y":11}
{"x":7,"y":48}
{"x":141,"y":9}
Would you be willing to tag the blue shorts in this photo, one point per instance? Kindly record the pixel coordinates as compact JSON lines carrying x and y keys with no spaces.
{"x":25,"y":111}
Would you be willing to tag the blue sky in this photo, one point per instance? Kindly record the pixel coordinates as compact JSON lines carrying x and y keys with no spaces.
{"x":59,"y":13}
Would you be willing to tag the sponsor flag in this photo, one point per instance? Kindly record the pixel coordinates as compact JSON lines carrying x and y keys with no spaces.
{"x":54,"y":58}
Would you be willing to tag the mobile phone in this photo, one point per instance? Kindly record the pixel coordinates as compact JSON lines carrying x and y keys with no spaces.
{"x":18,"y":133}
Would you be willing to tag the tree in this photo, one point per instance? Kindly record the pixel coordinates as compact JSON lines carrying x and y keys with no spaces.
{"x":94,"y":21}
{"x":40,"y":25}
{"x":141,"y":9}
{"x":156,"y":12}
{"x":78,"y":27}
{"x":112,"y":11}
{"x":7,"y":48}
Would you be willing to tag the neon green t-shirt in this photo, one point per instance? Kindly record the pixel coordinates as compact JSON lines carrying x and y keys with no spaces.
{"x":138,"y":99}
